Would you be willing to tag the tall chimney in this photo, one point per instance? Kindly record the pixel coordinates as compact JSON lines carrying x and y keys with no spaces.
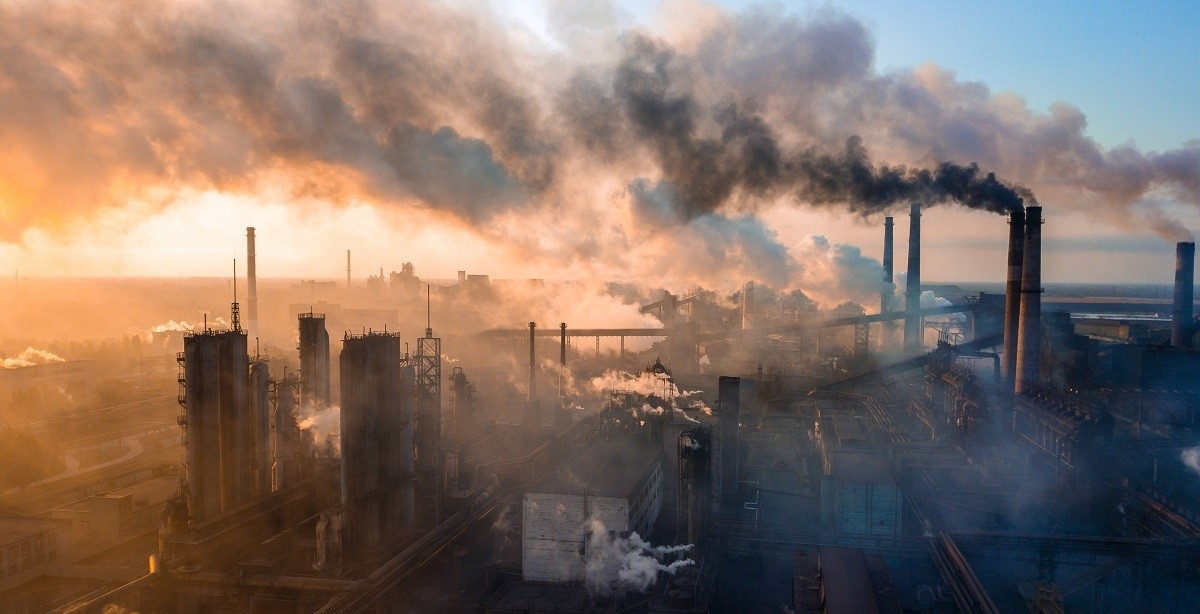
{"x":747,"y":305}
{"x":251,"y":284}
{"x":885,"y":295}
{"x":532,"y":365}
{"x":347,"y":269}
{"x":562,"y":349}
{"x":912,"y":289}
{"x":1181,"y":308}
{"x":1029,"y":332}
{"x":1012,"y":294}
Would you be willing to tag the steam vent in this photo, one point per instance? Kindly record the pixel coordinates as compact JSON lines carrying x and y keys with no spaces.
{"x":557,"y":308}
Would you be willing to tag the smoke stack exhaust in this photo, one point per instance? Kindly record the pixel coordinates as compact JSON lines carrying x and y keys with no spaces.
{"x":251,"y":284}
{"x":1029,"y":331}
{"x":1012,"y":293}
{"x":885,"y":295}
{"x":912,"y":289}
{"x":1181,"y":308}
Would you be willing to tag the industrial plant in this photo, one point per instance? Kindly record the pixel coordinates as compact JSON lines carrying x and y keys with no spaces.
{"x":1009,"y":448}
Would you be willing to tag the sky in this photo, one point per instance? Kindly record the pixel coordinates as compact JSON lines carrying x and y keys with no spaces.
{"x":655,"y":142}
{"x":1133,"y":68}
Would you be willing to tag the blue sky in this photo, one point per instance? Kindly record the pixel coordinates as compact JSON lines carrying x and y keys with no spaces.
{"x":1132,"y":67}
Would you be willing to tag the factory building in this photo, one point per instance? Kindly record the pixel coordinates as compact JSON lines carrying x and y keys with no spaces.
{"x":216,"y":422}
{"x":861,"y":503}
{"x":339,"y":317}
{"x":377,"y":442}
{"x":118,"y":514}
{"x":260,"y":411}
{"x":27,"y":545}
{"x":314,"y":360}
{"x":617,"y":482}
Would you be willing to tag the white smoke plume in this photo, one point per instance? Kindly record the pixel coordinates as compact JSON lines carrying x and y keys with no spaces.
{"x":1191,"y":458}
{"x":173,"y":326}
{"x":29,"y":357}
{"x":615,"y":565}
{"x":183,"y":326}
{"x":559,"y":373}
{"x":324,"y":423}
{"x":649,"y":383}
{"x":833,"y":273}
{"x":645,"y":383}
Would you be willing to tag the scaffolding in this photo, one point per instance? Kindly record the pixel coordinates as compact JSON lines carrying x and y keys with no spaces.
{"x":428,"y":365}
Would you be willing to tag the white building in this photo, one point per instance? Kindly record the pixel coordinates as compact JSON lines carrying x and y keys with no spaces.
{"x":619,"y":483}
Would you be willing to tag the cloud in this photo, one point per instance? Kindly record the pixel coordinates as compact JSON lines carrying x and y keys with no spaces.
{"x":618,"y":151}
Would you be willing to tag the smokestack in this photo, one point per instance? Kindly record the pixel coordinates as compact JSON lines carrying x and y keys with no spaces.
{"x":347,"y":269}
{"x":747,"y":304}
{"x":1181,"y":309}
{"x":532,"y":365}
{"x":1012,"y":293}
{"x":251,"y":283}
{"x":1029,"y":333}
{"x":728,"y":417}
{"x":561,"y":416}
{"x":886,"y":295}
{"x":912,"y":289}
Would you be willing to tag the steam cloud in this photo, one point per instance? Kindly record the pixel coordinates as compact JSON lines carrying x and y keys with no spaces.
{"x":324,"y":423}
{"x":614,"y":564}
{"x":30,"y":357}
{"x":110,"y":105}
{"x":1191,"y":458}
{"x":646,"y":384}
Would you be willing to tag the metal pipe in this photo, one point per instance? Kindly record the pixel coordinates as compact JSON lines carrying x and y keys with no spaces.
{"x":1181,"y":308}
{"x":888,"y":267}
{"x":296,"y":583}
{"x":251,"y":283}
{"x":1012,"y":293}
{"x":912,"y":288}
{"x":1029,"y":333}
{"x":532,"y":365}
{"x":747,"y":305}
{"x":562,"y":349}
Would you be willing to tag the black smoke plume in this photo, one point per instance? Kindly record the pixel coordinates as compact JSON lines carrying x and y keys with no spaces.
{"x":744,"y":157}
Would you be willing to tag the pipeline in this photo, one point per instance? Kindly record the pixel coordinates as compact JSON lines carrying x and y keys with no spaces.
{"x":97,"y":604}
{"x":359,"y":596}
{"x":295,"y":583}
